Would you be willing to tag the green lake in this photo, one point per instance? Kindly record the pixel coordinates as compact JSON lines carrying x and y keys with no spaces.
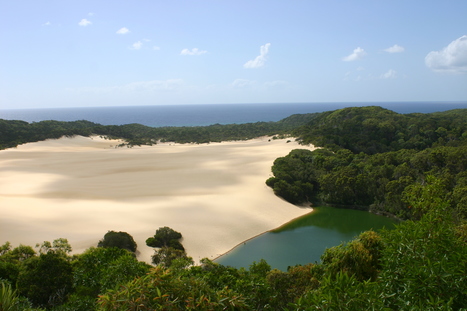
{"x":304,"y":240}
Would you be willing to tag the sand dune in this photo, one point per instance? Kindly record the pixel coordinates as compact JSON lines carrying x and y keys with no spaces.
{"x":79,"y":188}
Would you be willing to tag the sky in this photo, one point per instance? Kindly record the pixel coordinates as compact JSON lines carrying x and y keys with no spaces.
{"x":63,"y":53}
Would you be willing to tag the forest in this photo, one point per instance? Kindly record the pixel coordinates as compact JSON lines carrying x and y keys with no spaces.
{"x":408,"y":166}
{"x":372,"y":157}
{"x":14,"y":132}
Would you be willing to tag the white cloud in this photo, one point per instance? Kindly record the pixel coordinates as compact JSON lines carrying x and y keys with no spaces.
{"x":452,"y":58}
{"x":84,"y":22}
{"x":156,"y":48}
{"x":137,"y":45}
{"x":260,"y":59}
{"x":395,"y":49}
{"x":390,"y":74}
{"x":194,"y":51}
{"x":358,"y":53}
{"x":47,"y":24}
{"x":123,"y":31}
{"x":91,"y":14}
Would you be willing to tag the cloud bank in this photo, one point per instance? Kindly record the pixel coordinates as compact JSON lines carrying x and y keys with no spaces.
{"x":260,"y":59}
{"x":395,"y":49}
{"x":358,"y":53}
{"x":452,"y":58}
{"x":194,"y":51}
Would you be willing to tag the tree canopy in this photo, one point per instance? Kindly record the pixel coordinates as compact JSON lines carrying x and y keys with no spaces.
{"x":13,"y":132}
{"x":118,"y":239}
{"x":365,"y":167}
{"x":165,"y":237}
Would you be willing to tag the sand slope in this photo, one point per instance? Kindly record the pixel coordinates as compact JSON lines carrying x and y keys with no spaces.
{"x":79,"y":188}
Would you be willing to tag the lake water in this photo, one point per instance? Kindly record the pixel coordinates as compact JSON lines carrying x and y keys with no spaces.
{"x":304,"y":240}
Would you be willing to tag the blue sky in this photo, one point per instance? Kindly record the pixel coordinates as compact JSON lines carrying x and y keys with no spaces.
{"x":123,"y":53}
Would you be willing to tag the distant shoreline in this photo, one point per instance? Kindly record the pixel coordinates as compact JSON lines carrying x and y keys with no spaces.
{"x":208,"y":114}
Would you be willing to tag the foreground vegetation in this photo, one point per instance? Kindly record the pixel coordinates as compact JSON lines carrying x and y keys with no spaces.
{"x":419,"y":265}
{"x":412,"y":166}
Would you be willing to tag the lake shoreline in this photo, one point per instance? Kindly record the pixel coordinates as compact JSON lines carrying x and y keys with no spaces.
{"x":260,"y":234}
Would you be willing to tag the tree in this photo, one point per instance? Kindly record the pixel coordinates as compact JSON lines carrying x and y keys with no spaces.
{"x":118,"y":239}
{"x":101,"y":268}
{"x":166,"y":237}
{"x":168,"y":256}
{"x":58,"y":246}
{"x":46,"y":280}
{"x":21,"y":253}
{"x":5,"y":248}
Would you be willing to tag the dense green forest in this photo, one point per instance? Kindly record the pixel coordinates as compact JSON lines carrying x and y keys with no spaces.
{"x":371,"y":158}
{"x":411,"y":166}
{"x":13,"y":132}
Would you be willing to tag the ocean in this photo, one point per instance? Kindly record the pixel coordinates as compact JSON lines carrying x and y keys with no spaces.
{"x":201,"y":115}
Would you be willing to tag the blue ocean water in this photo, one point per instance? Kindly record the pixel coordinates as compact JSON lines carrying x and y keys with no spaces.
{"x":200,"y":115}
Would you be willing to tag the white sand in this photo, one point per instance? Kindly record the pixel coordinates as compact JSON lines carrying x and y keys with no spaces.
{"x":79,"y":188}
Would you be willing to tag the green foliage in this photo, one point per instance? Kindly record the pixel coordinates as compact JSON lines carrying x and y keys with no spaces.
{"x":118,"y":239}
{"x":424,"y":261}
{"x":8,"y":298}
{"x":162,"y":290}
{"x":11,"y":260}
{"x":169,"y":256}
{"x":59,"y":246}
{"x":293,"y":178}
{"x":13,"y":133}
{"x":165,"y":237}
{"x":342,"y":292}
{"x":46,"y":280}
{"x":359,"y":258}
{"x":377,"y":182}
{"x":376,"y":130}
{"x":287,"y":287}
{"x":99,"y":269}
{"x":5,"y":248}
{"x":19,"y":254}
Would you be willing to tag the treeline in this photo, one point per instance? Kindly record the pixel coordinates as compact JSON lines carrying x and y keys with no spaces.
{"x":379,"y":181}
{"x":419,"y":265}
{"x":374,"y":130}
{"x":13,"y":133}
